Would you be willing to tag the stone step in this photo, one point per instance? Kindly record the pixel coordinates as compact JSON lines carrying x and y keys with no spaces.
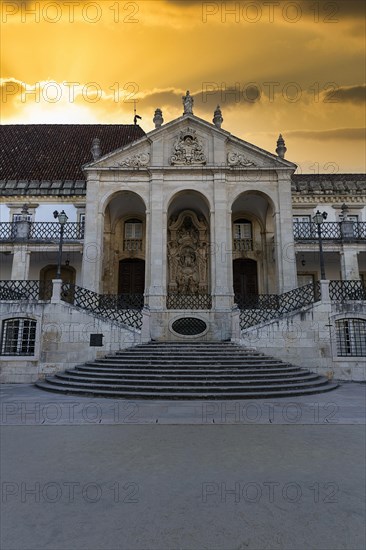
{"x":183,"y":361}
{"x":187,"y":371}
{"x":174,"y":376}
{"x":198,"y":387}
{"x":177,"y":382}
{"x":262,"y":394}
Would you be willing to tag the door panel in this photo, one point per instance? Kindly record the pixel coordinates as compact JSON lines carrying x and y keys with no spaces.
{"x":245,"y":278}
{"x":131,"y":277}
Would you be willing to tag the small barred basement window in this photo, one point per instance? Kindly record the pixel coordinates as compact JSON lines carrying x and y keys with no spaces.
{"x":18,"y":337}
{"x":351,"y":337}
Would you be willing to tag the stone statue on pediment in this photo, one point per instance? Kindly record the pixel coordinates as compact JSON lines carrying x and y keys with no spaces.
{"x":188,"y":104}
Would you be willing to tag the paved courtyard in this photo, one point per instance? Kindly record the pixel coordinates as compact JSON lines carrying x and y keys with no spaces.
{"x":81,"y":473}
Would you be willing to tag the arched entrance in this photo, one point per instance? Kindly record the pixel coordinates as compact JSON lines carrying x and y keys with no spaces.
{"x":188,"y":242}
{"x":245,"y":280}
{"x":124,"y":245}
{"x":253,"y":245}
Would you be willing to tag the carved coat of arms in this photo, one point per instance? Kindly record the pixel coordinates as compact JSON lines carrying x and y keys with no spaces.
{"x":188,"y":150}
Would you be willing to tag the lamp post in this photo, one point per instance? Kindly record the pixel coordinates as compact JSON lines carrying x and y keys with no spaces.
{"x":319,"y":219}
{"x":62,"y":219}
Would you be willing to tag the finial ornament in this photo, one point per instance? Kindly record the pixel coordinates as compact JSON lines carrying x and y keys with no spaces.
{"x":217,"y":119}
{"x":188,"y":104}
{"x":158,"y":118}
{"x":281,"y":148}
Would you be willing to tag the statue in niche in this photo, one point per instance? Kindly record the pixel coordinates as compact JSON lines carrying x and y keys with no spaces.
{"x":187,"y":254}
{"x":188,"y":278}
{"x":202,"y":260}
{"x":173,"y":259}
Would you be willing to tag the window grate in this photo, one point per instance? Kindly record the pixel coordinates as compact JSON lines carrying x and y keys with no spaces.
{"x":18,"y":337}
{"x":351,"y":337}
{"x":189,"y":326}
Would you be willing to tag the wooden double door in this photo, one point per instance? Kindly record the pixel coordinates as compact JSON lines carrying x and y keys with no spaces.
{"x":245,"y":278}
{"x":131,"y":279}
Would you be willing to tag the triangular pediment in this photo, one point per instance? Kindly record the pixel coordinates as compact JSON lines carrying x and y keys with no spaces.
{"x":190,"y":142}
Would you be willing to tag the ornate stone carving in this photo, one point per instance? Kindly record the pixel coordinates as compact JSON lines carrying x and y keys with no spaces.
{"x":235,"y":159}
{"x":187,"y":254}
{"x":135,"y":161}
{"x":188,"y":149}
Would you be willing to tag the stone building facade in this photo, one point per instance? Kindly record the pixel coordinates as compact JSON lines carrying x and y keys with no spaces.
{"x":187,"y":220}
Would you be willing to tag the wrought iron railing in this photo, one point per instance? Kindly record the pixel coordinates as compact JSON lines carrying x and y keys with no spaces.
{"x":123,"y":301}
{"x":104,"y":305}
{"x":40,"y":231}
{"x":25,"y":290}
{"x":334,"y":231}
{"x":188,"y":301}
{"x":265,"y":307}
{"x":341,"y":291}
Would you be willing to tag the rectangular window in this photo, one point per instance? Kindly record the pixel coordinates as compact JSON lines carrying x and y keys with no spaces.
{"x":18,"y":337}
{"x":242,"y":230}
{"x":133,"y":230}
{"x":22,"y":217}
{"x":351,"y":337}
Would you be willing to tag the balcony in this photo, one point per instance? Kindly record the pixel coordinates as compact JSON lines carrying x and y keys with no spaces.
{"x":35,"y":232}
{"x":132,"y":245}
{"x":346,"y":231}
{"x":243,"y":245}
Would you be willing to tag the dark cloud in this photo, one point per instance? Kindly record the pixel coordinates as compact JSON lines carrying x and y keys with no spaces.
{"x":327,"y":11}
{"x":207,"y":99}
{"x":352,"y":94}
{"x":329,"y":135}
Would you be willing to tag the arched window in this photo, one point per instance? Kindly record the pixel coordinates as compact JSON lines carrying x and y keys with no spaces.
{"x":18,"y":336}
{"x":351,"y":337}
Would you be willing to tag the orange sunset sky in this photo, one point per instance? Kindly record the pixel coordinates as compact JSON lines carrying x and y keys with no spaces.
{"x":292,"y":67}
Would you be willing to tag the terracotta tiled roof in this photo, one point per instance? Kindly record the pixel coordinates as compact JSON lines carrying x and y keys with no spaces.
{"x":56,"y":152}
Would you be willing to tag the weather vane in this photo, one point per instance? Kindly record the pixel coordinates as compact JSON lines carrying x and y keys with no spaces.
{"x":134,"y":112}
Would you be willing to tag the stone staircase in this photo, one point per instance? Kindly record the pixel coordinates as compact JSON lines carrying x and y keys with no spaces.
{"x":173,"y":370}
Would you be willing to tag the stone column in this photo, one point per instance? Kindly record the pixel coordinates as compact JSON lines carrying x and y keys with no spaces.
{"x":157,"y":254}
{"x":21,"y":261}
{"x":56,"y":291}
{"x":349,"y":263}
{"x":221,"y":239}
{"x":93,"y":240}
{"x":284,"y":236}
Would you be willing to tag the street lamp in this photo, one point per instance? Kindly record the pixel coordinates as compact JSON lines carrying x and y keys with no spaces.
{"x":319,"y":219}
{"x":62,"y":219}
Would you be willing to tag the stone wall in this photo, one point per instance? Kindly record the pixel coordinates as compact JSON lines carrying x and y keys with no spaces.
{"x":62,"y":339}
{"x":307,"y":338}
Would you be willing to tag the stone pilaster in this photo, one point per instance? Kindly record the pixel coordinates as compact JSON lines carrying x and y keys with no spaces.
{"x":21,"y":261}
{"x":284,"y":237}
{"x":93,"y":241}
{"x":349,"y":263}
{"x":156,"y":252}
{"x":221,"y":239}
